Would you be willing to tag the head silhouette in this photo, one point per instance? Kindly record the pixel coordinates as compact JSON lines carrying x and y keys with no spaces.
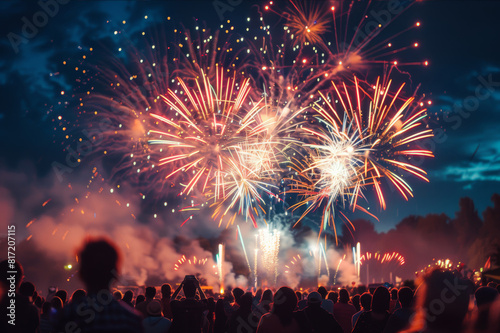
{"x":258,"y":295}
{"x":343,"y":296}
{"x":118,"y":295}
{"x":245,"y":302}
{"x":46,"y":308}
{"x":27,"y":289}
{"x":128,"y":296}
{"x":366,"y":301}
{"x":285,"y":302}
{"x":189,"y":288}
{"x":99,"y":261}
{"x":405,"y":296}
{"x":322,"y":291}
{"x":219,"y":309}
{"x":355,"y":302}
{"x":444,"y":298}
{"x":314,"y":300}
{"x":78,"y":296}
{"x":381,"y":300}
{"x":139,"y":299}
{"x":394,"y":294}
{"x":62,"y":294}
{"x":166,"y":290}
{"x":333,"y":296}
{"x":267,"y":295}
{"x":237,"y":293}
{"x":484,"y":295}
{"x":150,"y":293}
{"x":56,"y":303}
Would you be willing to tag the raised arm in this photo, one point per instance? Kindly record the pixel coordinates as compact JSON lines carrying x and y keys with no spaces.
{"x":177,"y":291}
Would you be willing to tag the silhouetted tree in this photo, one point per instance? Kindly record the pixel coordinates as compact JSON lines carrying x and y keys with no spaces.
{"x":466,"y":223}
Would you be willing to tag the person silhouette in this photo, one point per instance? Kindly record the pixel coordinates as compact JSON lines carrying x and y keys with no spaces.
{"x":166,"y":292}
{"x":150,"y":295}
{"x":400,"y":318}
{"x":281,"y":318}
{"x":18,"y":313}
{"x":366,"y":305}
{"x":243,"y":320}
{"x":374,"y":321}
{"x":318,"y":319}
{"x":188,"y":314}
{"x":343,"y":311}
{"x":442,"y":303}
{"x":99,"y":262}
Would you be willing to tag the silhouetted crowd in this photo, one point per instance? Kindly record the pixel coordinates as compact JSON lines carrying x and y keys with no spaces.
{"x":443,"y":302}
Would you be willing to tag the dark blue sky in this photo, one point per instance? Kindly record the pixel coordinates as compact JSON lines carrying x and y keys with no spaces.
{"x":459,"y":38}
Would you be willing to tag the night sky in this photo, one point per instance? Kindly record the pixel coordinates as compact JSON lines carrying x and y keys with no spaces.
{"x":459,"y":38}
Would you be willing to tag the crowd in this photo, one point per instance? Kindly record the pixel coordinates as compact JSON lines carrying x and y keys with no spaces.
{"x":444,"y":302}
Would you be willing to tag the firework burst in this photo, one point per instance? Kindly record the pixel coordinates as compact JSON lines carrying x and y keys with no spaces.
{"x":307,"y":23}
{"x":204,"y":136}
{"x":388,"y":129}
{"x":355,"y":145}
{"x":244,"y":186}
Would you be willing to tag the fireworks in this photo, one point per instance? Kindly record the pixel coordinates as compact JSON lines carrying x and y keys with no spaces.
{"x":224,"y":116}
{"x":294,"y":261}
{"x":269,"y":247}
{"x":189,"y":261}
{"x":244,"y":248}
{"x":381,"y":266}
{"x":209,"y":127}
{"x":387,"y":128}
{"x":358,"y":143}
{"x":337,"y":270}
{"x":220,"y":260}
{"x":307,"y":23}
{"x":242,"y":187}
{"x":383,"y":258}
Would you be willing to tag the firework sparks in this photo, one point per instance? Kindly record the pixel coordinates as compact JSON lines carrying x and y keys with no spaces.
{"x":189,"y":261}
{"x":389,"y":129}
{"x":357,"y":146}
{"x":220,"y":260}
{"x":210,"y":125}
{"x":294,"y":261}
{"x":381,"y":258}
{"x":269,"y":247}
{"x":307,"y":23}
{"x":243,"y":187}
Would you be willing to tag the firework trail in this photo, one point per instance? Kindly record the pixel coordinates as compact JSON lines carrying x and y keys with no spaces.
{"x":269,"y":247}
